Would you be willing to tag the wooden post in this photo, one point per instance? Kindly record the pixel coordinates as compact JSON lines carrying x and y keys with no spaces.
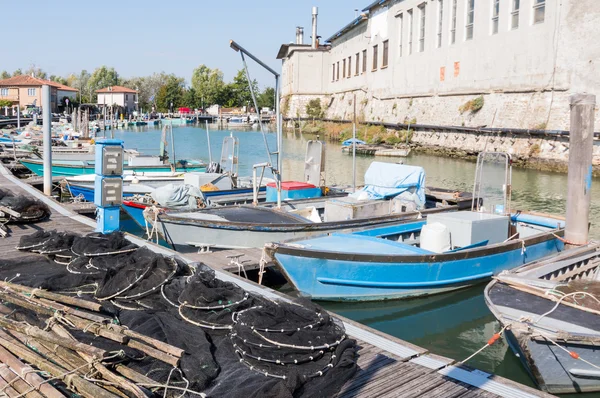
{"x":47,"y":139}
{"x":580,"y":167}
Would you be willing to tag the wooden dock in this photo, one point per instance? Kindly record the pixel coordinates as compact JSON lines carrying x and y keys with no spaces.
{"x":388,"y":367}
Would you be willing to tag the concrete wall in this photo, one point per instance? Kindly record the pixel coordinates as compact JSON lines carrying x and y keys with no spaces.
{"x":525,"y":75}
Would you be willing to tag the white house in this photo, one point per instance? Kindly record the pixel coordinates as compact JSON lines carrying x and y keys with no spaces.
{"x":119,"y":96}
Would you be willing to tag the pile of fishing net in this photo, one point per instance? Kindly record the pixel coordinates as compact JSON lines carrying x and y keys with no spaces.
{"x":21,"y":208}
{"x":236,"y":343}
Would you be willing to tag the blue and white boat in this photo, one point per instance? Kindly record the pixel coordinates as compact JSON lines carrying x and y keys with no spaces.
{"x":390,"y":262}
{"x":439,"y":253}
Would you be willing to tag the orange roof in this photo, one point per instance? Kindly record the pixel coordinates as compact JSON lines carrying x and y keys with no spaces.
{"x":26,"y":80}
{"x":116,"y":89}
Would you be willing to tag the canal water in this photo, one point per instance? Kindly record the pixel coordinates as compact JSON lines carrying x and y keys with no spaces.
{"x":453,"y":324}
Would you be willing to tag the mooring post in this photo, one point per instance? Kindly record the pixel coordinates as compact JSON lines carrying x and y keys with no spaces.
{"x":47,"y":138}
{"x":580,"y":168}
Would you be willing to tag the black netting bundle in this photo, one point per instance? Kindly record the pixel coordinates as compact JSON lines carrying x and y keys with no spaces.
{"x":97,"y":244}
{"x":236,"y":343}
{"x":29,"y":209}
{"x":286,"y":340}
{"x":209,"y":302}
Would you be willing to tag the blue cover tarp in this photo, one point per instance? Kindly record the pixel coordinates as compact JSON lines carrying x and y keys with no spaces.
{"x":349,"y":142}
{"x":389,"y":180}
{"x":180,"y":196}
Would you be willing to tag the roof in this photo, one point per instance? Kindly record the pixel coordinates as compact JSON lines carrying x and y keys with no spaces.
{"x":287,"y":49}
{"x":356,"y":21}
{"x":116,"y":89}
{"x":26,"y":80}
{"x":373,"y":5}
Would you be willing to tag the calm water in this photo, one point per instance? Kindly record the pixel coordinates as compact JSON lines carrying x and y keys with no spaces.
{"x":454,"y":324}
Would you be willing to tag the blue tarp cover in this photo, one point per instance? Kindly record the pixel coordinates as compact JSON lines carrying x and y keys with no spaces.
{"x":388,"y":180}
{"x":349,"y":142}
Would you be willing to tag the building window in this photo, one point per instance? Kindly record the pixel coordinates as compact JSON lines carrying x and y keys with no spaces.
{"x":386,"y":49}
{"x":470,"y":19}
{"x":4,"y":92}
{"x":349,"y":67}
{"x":495,"y":15}
{"x":31,"y":92}
{"x":400,"y":35}
{"x":364,"y":61}
{"x":514,"y":14}
{"x":333,"y":72}
{"x":539,"y":11}
{"x":375,"y":49}
{"x":422,"y":28}
{"x":344,"y":68}
{"x":357,"y":63}
{"x":338,"y":71}
{"x":126,"y":97}
{"x":410,"y":31}
{"x":440,"y":22}
{"x":453,"y":23}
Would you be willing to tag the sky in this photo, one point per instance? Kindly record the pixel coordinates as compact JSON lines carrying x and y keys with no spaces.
{"x":139,"y":38}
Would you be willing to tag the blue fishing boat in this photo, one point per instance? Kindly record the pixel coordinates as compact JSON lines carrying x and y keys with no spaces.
{"x":390,"y":262}
{"x":439,"y":253}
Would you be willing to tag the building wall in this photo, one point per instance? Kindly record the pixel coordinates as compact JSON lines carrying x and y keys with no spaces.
{"x":525,"y":75}
{"x":125,"y":100}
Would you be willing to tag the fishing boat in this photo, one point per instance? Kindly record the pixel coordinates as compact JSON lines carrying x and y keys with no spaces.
{"x":138,"y":164}
{"x":398,"y":189}
{"x":441,"y":252}
{"x":551,"y":312}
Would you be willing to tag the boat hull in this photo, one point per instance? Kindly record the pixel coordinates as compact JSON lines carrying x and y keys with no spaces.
{"x":331,"y":277}
{"x":61,"y":170}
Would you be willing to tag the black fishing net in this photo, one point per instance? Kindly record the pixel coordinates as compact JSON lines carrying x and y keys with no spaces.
{"x":28,"y":209}
{"x":236,"y":344}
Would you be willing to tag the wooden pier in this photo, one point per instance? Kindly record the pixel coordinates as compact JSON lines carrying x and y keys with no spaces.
{"x":388,"y":367}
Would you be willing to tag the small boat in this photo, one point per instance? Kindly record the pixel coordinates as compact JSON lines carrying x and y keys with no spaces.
{"x":68,"y":168}
{"x":440,"y":253}
{"x":395,"y":192}
{"x":351,"y":141}
{"x":405,"y":259}
{"x":551,"y":312}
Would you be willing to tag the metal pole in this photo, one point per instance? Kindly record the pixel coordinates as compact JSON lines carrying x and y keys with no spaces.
{"x":47,"y":138}
{"x":18,"y":116}
{"x":279,"y":143}
{"x":579,"y":182}
{"x":208,"y":140}
{"x":173,"y":146}
{"x":354,"y":148}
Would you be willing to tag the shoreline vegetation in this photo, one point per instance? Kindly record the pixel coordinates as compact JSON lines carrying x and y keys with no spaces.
{"x":385,"y":138}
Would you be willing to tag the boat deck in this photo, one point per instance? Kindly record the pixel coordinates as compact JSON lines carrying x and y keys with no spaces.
{"x":389,"y":367}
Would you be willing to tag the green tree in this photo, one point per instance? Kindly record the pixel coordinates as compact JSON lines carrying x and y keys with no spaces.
{"x":36,"y":72}
{"x":147,"y":87}
{"x":81,"y":82}
{"x":313,"y":108}
{"x":4,"y":75}
{"x":4,"y":103}
{"x":266,"y":99}
{"x":207,"y":84}
{"x":58,"y":79}
{"x":102,"y":77}
{"x":190,"y":99}
{"x":241,"y":89}
{"x":17,"y":72}
{"x":170,"y":93}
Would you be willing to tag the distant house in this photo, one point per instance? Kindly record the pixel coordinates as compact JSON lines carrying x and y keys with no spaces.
{"x":27,"y":90}
{"x":124,"y":97}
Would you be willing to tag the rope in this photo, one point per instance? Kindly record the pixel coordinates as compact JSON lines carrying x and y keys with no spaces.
{"x":491,"y":341}
{"x":261,"y":265}
{"x":568,"y":242}
{"x":561,"y":299}
{"x":572,"y":354}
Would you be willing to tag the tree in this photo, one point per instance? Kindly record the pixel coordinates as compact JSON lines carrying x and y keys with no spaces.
{"x":17,"y":72}
{"x":266,"y":99}
{"x":241,"y":89}
{"x":313,"y":109}
{"x":207,"y":84}
{"x":81,"y":82}
{"x":170,"y":93}
{"x":4,"y":75}
{"x":102,"y":77}
{"x":36,"y":72}
{"x":4,"y":103}
{"x":58,"y":79}
{"x":147,"y":88}
{"x":190,"y":99}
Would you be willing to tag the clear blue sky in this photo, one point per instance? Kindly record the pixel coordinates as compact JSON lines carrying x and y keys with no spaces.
{"x":138,"y":37}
